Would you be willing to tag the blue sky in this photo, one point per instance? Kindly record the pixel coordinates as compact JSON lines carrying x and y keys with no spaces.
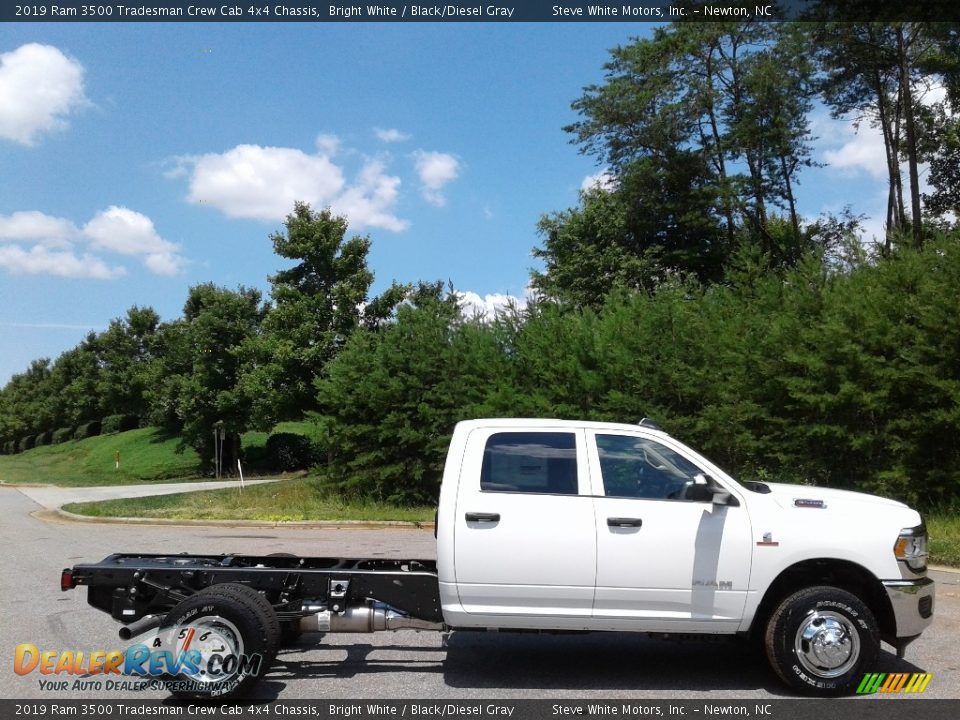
{"x":139,"y":159}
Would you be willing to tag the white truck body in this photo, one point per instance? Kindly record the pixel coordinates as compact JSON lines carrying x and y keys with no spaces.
{"x":553,"y":561}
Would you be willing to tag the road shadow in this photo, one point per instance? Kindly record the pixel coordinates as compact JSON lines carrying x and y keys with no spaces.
{"x":603,"y":661}
{"x":546,"y":663}
{"x":540,"y":664}
{"x":618,"y":661}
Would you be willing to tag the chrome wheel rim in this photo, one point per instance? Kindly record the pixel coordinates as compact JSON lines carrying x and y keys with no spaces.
{"x":215,"y":638}
{"x":827,"y":644}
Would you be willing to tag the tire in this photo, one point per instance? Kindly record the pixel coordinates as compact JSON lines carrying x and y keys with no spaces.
{"x":228,"y":619}
{"x":821,"y":641}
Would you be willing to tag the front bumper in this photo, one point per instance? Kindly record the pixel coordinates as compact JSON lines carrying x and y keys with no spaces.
{"x":912,"y":603}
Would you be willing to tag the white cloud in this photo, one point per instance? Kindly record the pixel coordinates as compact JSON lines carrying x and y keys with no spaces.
{"x":390,"y":135}
{"x":262,"y":183}
{"x":43,"y":244}
{"x":368,"y":201}
{"x":164,"y":263}
{"x":491,"y":304}
{"x":862,"y":150}
{"x":127,"y":232}
{"x":39,"y":87}
{"x":933,"y":94}
{"x":327,"y":144}
{"x":40,"y":260}
{"x":34,"y":226}
{"x":873,"y":229}
{"x":251,"y":181}
{"x":852,"y":149}
{"x":602,"y":179}
{"x":435,"y":170}
{"x":858,"y":146}
{"x":177,"y":167}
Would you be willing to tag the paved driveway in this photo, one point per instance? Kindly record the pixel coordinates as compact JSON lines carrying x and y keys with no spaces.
{"x":53,"y":497}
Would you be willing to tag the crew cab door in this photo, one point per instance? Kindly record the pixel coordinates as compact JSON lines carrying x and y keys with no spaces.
{"x":524,"y":534}
{"x":663,"y":561}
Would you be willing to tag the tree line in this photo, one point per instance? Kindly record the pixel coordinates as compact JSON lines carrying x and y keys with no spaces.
{"x":231,"y":361}
{"x":687,"y":288}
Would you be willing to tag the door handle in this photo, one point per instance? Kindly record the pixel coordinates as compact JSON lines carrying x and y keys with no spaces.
{"x":482,"y":517}
{"x":624,"y":522}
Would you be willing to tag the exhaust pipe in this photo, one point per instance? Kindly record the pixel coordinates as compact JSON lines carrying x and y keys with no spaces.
{"x":364,"y":619}
{"x":147,"y":622}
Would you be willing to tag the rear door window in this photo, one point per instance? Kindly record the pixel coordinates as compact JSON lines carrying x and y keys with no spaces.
{"x":530,"y":462}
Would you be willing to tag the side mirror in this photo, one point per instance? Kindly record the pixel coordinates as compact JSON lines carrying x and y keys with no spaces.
{"x":722,"y":497}
{"x":706,"y":489}
{"x":699,"y":492}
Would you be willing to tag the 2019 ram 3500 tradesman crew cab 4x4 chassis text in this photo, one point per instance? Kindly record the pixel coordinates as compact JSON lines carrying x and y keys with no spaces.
{"x":566,"y":526}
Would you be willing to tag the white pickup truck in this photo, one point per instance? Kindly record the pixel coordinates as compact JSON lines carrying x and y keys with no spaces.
{"x":557,"y":525}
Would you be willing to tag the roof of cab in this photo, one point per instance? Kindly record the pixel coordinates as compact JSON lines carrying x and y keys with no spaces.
{"x":552,"y":423}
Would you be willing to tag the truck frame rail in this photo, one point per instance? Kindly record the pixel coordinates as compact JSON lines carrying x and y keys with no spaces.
{"x":132,"y":586}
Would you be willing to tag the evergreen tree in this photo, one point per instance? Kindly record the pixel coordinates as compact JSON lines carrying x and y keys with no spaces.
{"x":317,"y":305}
{"x":194,"y":381}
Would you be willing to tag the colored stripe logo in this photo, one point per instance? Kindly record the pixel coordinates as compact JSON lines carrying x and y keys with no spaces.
{"x":894,"y":683}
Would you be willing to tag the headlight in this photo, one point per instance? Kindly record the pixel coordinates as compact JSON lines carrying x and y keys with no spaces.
{"x":911,"y":548}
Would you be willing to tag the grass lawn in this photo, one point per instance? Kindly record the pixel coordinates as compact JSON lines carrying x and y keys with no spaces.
{"x":944,"y":529}
{"x":294,"y":499}
{"x":256,"y":438}
{"x":147,"y":454}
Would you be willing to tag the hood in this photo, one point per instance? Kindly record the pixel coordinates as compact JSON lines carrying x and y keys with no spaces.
{"x":785,"y":495}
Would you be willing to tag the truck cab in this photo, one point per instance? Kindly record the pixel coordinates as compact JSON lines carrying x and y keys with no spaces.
{"x":561,"y":525}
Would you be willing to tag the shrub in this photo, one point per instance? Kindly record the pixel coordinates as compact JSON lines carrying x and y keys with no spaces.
{"x":61,"y":435}
{"x":119,"y":423}
{"x":26,"y":443}
{"x":289,"y":451}
{"x":90,"y":429}
{"x":255,"y":458}
{"x":44,"y":438}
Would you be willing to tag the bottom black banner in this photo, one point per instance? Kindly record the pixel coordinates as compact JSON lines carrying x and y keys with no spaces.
{"x":874,"y":708}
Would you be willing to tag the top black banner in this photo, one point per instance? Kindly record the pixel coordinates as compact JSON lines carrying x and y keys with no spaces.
{"x":947,"y":11}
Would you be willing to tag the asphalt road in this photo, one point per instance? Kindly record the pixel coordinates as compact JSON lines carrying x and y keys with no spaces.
{"x":404,"y":664}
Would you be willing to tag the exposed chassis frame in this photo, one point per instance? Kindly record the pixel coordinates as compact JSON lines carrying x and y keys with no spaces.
{"x":131,"y":586}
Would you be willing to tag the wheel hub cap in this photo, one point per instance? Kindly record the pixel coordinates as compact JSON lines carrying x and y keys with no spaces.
{"x":827,"y":644}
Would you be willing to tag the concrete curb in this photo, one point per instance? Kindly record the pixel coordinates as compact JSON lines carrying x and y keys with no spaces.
{"x":944,"y":569}
{"x":66,"y":516}
{"x":15,"y":486}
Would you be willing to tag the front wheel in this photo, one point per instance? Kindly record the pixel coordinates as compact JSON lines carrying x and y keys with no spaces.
{"x":821,"y":641}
